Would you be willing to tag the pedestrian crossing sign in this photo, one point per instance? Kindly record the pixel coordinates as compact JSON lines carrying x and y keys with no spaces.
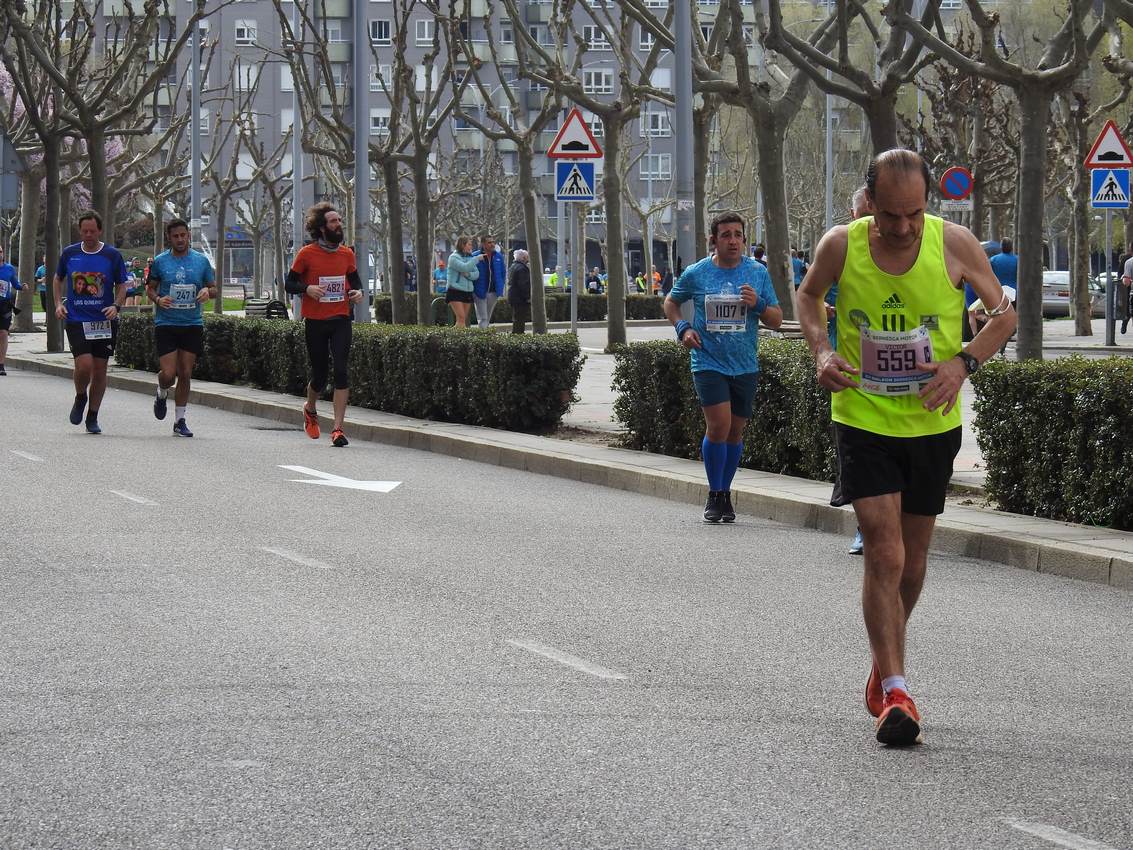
{"x":1109,"y":189}
{"x":574,"y":181}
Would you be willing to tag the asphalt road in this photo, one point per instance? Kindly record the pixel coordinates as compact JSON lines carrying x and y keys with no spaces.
{"x":486,"y":658}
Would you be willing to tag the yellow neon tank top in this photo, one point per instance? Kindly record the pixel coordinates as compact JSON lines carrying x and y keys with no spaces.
{"x":921,"y":296}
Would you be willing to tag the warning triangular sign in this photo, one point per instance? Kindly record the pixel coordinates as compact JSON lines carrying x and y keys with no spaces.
{"x":1110,"y":150}
{"x":574,"y":140}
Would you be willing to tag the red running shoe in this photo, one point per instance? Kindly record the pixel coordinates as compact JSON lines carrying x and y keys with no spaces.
{"x":874,"y":695}
{"x":311,"y":423}
{"x":338,"y":439}
{"x":899,"y":724}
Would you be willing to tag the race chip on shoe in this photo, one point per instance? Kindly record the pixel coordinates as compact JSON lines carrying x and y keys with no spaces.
{"x":334,"y":287}
{"x":889,"y":361}
{"x":725,"y":312}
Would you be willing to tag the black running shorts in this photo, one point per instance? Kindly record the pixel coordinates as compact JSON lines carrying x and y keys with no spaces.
{"x":102,"y":349}
{"x":919,"y":468}
{"x":170,"y":338}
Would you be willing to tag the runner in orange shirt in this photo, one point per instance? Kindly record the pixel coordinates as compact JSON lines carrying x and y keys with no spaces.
{"x":325,"y":274}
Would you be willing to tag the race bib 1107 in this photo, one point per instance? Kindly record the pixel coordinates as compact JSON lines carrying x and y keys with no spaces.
{"x":725,"y":314}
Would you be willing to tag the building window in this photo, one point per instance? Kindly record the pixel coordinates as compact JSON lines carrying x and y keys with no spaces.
{"x":286,"y":120}
{"x":203,"y":123}
{"x":379,"y":121}
{"x":381,"y":32}
{"x":656,"y":166}
{"x":598,"y":82}
{"x":596,"y":215}
{"x":507,"y":34}
{"x":333,"y":31}
{"x":245,"y":76}
{"x":425,"y":28}
{"x":595,"y":38}
{"x":379,"y":75}
{"x":706,"y":31}
{"x":541,"y":33}
{"x":245,"y":33}
{"x":645,"y":40}
{"x":286,"y":80}
{"x":595,"y":123}
{"x":656,"y":125}
{"x":339,"y":74}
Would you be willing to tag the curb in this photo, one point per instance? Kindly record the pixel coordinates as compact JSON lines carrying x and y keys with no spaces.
{"x":1090,"y":554}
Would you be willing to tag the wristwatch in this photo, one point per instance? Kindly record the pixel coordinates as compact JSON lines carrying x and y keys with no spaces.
{"x":970,"y":362}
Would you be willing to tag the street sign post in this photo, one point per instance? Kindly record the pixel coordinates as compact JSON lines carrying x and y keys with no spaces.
{"x":1109,"y":160}
{"x":574,"y":181}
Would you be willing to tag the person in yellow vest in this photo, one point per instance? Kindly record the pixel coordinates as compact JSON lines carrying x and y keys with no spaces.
{"x":896,"y":377}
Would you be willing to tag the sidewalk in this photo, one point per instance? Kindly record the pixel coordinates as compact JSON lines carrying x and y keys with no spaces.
{"x":1087,"y":553}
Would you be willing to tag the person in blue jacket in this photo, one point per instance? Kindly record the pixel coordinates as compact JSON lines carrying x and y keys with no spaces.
{"x":9,"y":285}
{"x":463,"y":271}
{"x":490,"y":285}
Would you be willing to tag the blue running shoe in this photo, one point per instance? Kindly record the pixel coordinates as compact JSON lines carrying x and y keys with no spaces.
{"x":77,"y":409}
{"x":160,"y":407}
{"x":180,"y":429}
{"x":92,"y":425}
{"x":858,"y":545}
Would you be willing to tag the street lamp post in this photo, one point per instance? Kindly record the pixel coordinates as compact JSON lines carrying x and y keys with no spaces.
{"x":296,"y":159}
{"x":682,"y":71}
{"x":195,"y":138}
{"x":361,"y":158}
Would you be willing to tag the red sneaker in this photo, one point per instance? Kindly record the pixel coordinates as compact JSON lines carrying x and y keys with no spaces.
{"x":874,"y":695}
{"x":310,"y":423}
{"x":899,"y":724}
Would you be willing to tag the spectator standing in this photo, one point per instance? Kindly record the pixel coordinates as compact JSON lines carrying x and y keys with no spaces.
{"x":519,"y":290}
{"x":667,"y":282}
{"x":639,"y":283}
{"x":1125,"y":293}
{"x":440,"y":278}
{"x":490,"y":284}
{"x":463,"y":271}
{"x":41,"y":284}
{"x":410,"y":274}
{"x":798,"y":267}
{"x":593,"y":282}
{"x":1005,"y":264}
{"x":759,"y":255}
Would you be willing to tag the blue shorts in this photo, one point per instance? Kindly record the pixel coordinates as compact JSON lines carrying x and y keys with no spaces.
{"x":716,"y":388}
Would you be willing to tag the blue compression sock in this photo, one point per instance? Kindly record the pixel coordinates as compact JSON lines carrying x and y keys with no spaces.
{"x":734,"y":452}
{"x":715,"y":460}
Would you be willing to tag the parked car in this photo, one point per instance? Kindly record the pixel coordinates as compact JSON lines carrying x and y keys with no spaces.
{"x":1056,"y":295}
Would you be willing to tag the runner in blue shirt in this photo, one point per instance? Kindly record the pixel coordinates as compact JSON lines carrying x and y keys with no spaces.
{"x":798,"y":267}
{"x":731,"y":294}
{"x":1006,"y":265}
{"x":180,"y":281}
{"x":95,"y":277}
{"x":9,"y":284}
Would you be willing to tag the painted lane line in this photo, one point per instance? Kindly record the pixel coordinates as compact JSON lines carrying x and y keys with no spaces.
{"x":567,"y":659}
{"x":26,"y":455}
{"x":1055,"y":835}
{"x":328,"y":479}
{"x":295,"y":558}
{"x":133,"y":497}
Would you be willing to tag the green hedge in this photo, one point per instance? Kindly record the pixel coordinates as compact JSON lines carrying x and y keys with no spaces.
{"x":591,"y":308}
{"x":519,"y":383}
{"x":1056,"y":438}
{"x":789,"y":432}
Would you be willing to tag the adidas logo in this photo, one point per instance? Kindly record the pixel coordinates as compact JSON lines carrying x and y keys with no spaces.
{"x":893,"y":302}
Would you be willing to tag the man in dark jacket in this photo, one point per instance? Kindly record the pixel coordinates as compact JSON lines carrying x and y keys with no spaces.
{"x":519,"y":291}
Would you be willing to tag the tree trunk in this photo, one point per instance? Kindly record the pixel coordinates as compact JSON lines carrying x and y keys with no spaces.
{"x":615,"y":235}
{"x":99,"y":194}
{"x":531,"y":228}
{"x":423,"y":247}
{"x":279,"y":246}
{"x":769,"y":141}
{"x":1079,"y":227}
{"x":701,"y":123}
{"x":52,"y":234}
{"x":257,"y":261}
{"x":395,"y":265}
{"x":221,"y":259}
{"x":29,"y":226}
{"x":66,"y":226}
{"x":1034,"y":109}
{"x":158,"y":222}
{"x":881,"y":113}
{"x":978,"y":209}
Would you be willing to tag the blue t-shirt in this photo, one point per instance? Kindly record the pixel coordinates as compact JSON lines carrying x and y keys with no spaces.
{"x":8,"y":281}
{"x":181,"y":278}
{"x":41,"y":276}
{"x":727,"y":353}
{"x":799,"y":269}
{"x":90,"y":280}
{"x":1006,"y":268}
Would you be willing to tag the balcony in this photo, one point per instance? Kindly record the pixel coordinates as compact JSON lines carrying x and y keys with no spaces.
{"x":336,"y":9}
{"x":340,"y":51}
{"x":505,"y":145}
{"x":539,"y":13}
{"x":545,"y":184}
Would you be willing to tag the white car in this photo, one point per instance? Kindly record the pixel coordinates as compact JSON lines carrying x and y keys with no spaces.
{"x":1056,"y":294}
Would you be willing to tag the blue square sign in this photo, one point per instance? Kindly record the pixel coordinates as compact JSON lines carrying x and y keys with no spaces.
{"x":574,"y":181}
{"x":1109,"y":188}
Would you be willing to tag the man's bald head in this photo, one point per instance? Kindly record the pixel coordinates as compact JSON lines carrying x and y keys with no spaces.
{"x":896,"y":165}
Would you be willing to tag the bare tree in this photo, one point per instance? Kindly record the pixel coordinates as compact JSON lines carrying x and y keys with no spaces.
{"x":1065,"y":56}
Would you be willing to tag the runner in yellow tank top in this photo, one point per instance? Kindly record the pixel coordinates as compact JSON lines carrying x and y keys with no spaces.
{"x":896,"y":379}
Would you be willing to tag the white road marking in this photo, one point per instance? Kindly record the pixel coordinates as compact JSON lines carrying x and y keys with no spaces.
{"x":1055,"y":835}
{"x":26,"y":456}
{"x":567,"y":659}
{"x":296,"y":558}
{"x":133,"y":497}
{"x":329,"y":480}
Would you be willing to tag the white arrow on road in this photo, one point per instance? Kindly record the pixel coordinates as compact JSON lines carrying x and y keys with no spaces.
{"x":329,"y":480}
